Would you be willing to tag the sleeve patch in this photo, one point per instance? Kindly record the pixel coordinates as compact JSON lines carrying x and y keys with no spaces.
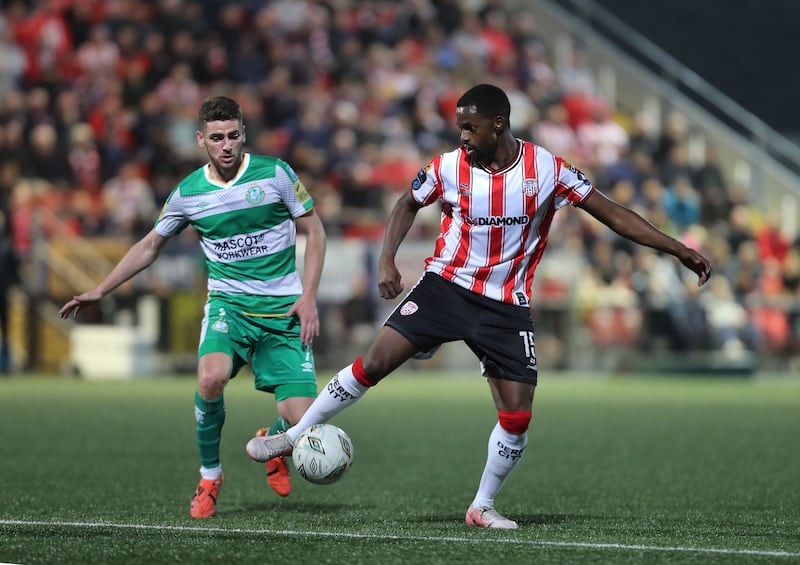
{"x":576,"y":171}
{"x":420,"y":179}
{"x":300,"y":191}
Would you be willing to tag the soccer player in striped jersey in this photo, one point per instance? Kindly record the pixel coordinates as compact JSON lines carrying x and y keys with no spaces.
{"x":499,"y":195}
{"x":246,"y":210}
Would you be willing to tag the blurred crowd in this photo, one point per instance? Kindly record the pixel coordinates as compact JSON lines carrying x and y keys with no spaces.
{"x":98,"y":102}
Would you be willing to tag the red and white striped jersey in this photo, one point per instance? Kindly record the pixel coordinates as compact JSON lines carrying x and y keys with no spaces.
{"x":495,"y":224}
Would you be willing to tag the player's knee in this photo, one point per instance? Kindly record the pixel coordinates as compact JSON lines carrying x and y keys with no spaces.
{"x":514,"y":421}
{"x":211,"y":384}
{"x":363,"y":372}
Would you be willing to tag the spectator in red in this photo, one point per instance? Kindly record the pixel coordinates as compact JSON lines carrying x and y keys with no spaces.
{"x":772,"y":243}
{"x":495,"y":35}
{"x":46,"y":39}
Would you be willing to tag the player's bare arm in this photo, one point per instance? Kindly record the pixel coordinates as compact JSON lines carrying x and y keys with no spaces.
{"x":306,"y":306}
{"x":400,"y":221}
{"x":631,"y":225}
{"x":140,"y":256}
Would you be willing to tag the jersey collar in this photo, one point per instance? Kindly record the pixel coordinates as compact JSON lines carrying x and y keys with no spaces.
{"x":511,"y":164}
{"x":242,"y":168}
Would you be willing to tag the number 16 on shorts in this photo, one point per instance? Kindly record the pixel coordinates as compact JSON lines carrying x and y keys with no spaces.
{"x":527,"y":344}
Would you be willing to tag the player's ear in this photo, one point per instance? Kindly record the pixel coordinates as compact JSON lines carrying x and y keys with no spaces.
{"x":201,"y":140}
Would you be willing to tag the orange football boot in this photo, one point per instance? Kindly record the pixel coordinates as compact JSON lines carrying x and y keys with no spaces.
{"x":204,"y":502}
{"x":277,"y":471}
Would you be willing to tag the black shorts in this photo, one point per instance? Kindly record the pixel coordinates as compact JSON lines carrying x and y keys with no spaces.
{"x":437,"y":311}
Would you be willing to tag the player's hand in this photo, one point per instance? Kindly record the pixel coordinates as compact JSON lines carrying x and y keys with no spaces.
{"x":74,"y":305}
{"x":697,"y":263}
{"x":306,"y":310}
{"x":389,"y":283}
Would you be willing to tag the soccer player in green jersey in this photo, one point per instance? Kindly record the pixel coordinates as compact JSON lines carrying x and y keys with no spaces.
{"x":246,"y":209}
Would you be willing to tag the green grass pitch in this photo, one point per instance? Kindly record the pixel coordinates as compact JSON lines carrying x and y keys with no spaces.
{"x":617,"y":470}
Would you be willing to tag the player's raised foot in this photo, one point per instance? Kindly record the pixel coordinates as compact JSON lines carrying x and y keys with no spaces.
{"x":488,"y":517}
{"x":277,"y":471}
{"x":204,"y":502}
{"x":264,"y":448}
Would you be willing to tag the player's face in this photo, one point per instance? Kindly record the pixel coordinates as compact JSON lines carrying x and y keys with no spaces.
{"x":224,"y":143}
{"x":478,"y":133}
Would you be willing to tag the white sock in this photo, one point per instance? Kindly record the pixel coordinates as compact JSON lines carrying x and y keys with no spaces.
{"x":212,"y":473}
{"x":505,"y":452}
{"x":342,"y":391}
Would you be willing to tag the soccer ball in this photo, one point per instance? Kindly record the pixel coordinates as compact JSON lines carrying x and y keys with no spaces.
{"x":322,"y":454}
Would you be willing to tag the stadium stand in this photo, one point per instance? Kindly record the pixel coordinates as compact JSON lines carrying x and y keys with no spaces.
{"x":97,"y":120}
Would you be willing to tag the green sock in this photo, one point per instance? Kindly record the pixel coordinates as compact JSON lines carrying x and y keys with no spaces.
{"x":210,"y":416}
{"x":280,"y":425}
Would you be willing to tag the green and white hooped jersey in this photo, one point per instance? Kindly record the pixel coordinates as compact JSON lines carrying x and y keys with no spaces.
{"x":246,"y":226}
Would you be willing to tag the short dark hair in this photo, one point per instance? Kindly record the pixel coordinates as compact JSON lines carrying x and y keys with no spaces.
{"x":488,"y":99}
{"x":219,"y":109}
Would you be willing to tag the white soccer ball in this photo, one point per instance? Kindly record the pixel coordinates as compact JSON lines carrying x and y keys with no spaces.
{"x":322,"y":454}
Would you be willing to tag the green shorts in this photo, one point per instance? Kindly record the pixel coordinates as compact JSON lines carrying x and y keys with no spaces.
{"x":257,"y":334}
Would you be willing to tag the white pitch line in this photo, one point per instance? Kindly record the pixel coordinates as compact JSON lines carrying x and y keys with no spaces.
{"x":447,"y":539}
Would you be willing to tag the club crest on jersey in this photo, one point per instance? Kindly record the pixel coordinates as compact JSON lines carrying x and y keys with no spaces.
{"x":530,"y":187}
{"x":409,"y":308}
{"x":255,"y":194}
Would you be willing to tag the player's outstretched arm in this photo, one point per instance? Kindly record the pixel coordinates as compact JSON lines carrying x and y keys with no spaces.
{"x":631,"y":225}
{"x":140,"y":256}
{"x":400,"y":221}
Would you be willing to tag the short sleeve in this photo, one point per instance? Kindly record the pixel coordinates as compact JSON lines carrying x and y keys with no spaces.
{"x":292,"y":190}
{"x":172,"y":220}
{"x":426,"y":188}
{"x":572,"y":186}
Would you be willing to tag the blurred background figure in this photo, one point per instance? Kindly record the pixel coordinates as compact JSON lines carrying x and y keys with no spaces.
{"x":8,"y":278}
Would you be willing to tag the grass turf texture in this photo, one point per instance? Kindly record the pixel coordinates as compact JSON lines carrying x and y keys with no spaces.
{"x":650,"y":470}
